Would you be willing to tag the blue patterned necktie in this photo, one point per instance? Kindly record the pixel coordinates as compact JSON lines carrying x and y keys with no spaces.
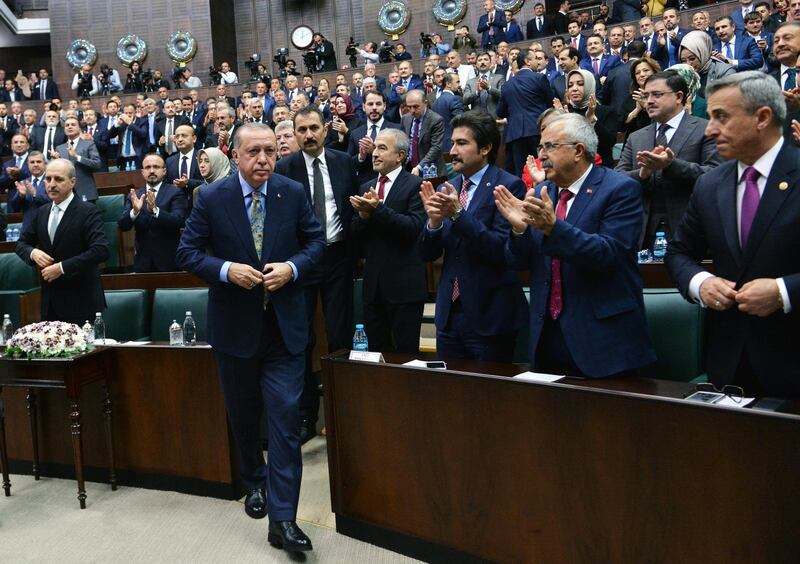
{"x":257,"y":220}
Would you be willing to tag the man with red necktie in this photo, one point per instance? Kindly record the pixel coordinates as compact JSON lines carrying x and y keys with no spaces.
{"x":577,"y":233}
{"x":745,"y":215}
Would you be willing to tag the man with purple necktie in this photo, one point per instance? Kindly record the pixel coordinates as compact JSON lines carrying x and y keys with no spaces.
{"x":746,"y":213}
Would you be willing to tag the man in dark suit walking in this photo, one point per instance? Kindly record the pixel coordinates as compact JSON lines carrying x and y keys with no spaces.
{"x":522,"y":101}
{"x":362,"y":138}
{"x":263,"y":240}
{"x":668,"y":156}
{"x":329,"y":179}
{"x":745,"y":215}
{"x":158,"y":213}
{"x":67,"y":242}
{"x":387,"y":225}
{"x":479,"y":305}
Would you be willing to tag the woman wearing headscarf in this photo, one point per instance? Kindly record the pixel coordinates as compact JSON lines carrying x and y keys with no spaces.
{"x":344,"y":121}
{"x":692,"y":80}
{"x":581,"y":99}
{"x":213,"y":165}
{"x":696,"y":52}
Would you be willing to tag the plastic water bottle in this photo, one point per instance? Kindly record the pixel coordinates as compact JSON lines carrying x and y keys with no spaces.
{"x":88,"y":332}
{"x":8,"y":329}
{"x":360,"y":342}
{"x":660,"y":247}
{"x":16,"y":233}
{"x":175,"y":334}
{"x":99,"y":328}
{"x":189,"y":330}
{"x":645,"y":256}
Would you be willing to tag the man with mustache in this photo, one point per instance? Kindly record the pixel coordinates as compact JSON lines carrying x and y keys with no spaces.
{"x":577,"y":232}
{"x":287,"y":142}
{"x":158,"y":212}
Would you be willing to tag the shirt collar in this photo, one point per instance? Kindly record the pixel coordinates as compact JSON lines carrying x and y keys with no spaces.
{"x":310,"y":160}
{"x":155,"y":188}
{"x":765,"y":162}
{"x":379,"y":123}
{"x":247,"y":190}
{"x":189,"y":154}
{"x":478,"y":176}
{"x":392,"y":176}
{"x":575,"y":187}
{"x":676,"y":120}
{"x":22,"y":157}
{"x":65,"y":204}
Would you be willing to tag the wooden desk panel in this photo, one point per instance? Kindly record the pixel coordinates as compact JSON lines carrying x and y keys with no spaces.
{"x":513,"y":472}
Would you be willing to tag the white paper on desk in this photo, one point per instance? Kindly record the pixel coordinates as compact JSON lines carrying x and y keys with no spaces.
{"x":728,"y":401}
{"x":135,"y":343}
{"x":538,"y":377}
{"x":422,"y":364}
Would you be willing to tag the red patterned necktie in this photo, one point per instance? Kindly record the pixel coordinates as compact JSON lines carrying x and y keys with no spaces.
{"x":382,"y":187}
{"x":556,"y":301}
{"x":462,"y":201}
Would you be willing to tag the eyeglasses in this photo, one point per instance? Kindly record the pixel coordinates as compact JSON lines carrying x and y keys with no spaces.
{"x":736,"y":393}
{"x":657,"y":95}
{"x":548,"y":147}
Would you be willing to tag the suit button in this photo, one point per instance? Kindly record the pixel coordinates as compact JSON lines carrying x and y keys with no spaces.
{"x":541,"y":316}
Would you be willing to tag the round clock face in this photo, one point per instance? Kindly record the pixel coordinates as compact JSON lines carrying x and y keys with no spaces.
{"x":302,"y":36}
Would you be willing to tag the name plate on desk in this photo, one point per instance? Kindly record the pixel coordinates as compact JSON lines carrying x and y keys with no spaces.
{"x":366,"y":356}
{"x":537,"y":377}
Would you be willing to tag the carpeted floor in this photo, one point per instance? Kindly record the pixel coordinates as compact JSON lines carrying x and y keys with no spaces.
{"x":41,"y":522}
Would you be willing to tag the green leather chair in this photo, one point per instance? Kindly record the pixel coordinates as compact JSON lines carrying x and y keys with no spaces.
{"x":126,"y":315}
{"x":16,"y":278}
{"x":110,"y":207}
{"x":677,"y":329}
{"x":173,"y":303}
{"x":111,"y":230}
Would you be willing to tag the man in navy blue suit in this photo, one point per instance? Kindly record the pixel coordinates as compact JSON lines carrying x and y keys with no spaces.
{"x":182,"y":168}
{"x":449,"y":105}
{"x":491,"y":25}
{"x":745,"y":215}
{"x":16,"y":168}
{"x":735,"y":48}
{"x":522,"y":101}
{"x":157,"y":212}
{"x":362,"y":138}
{"x":598,"y":63}
{"x":30,"y":194}
{"x":670,"y":42}
{"x":263,"y":239}
{"x":479,"y":305}
{"x":45,"y":88}
{"x":131,"y":142}
{"x":754,"y":24}
{"x":407,"y":83}
{"x":576,"y":39}
{"x":578,"y":233}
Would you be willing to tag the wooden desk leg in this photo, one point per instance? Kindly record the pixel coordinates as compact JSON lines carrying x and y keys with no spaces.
{"x":110,"y":437}
{"x":31,"y":397}
{"x":4,"y":453}
{"x":77,"y":449}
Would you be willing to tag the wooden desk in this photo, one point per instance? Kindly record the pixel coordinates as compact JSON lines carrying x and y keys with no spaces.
{"x":69,"y":374}
{"x":454,"y":466}
{"x":169,"y":415}
{"x":121,"y":178}
{"x":8,"y":246}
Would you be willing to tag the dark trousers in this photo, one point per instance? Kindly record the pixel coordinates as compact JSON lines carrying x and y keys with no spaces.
{"x":273,"y":379}
{"x":393,"y":327}
{"x":333,"y":281}
{"x":552,"y":353}
{"x":517,"y":152}
{"x":459,"y":340}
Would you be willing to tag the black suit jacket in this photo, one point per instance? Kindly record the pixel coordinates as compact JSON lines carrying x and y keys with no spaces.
{"x":157,"y":237}
{"x":364,"y":169}
{"x":393,"y":271}
{"x":343,"y":180}
{"x":772,"y":251}
{"x":37,"y":137}
{"x":161,"y":126}
{"x":173,"y":172}
{"x":5,"y":96}
{"x":547,"y":28}
{"x":80,"y":246}
{"x":50,"y":91}
{"x":101,"y":138}
{"x":788,"y":136}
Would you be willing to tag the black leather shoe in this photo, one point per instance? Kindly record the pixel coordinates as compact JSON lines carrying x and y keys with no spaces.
{"x":308,"y":429}
{"x":288,"y":536}
{"x":255,"y":504}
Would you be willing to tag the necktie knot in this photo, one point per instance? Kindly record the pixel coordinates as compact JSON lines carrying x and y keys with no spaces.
{"x":750,"y":174}
{"x":564,"y":195}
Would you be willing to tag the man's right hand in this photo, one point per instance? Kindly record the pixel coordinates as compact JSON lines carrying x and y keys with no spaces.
{"x":136,"y":203}
{"x":244,"y":275}
{"x":718,"y":293}
{"x":365,"y":147}
{"x":41,"y":258}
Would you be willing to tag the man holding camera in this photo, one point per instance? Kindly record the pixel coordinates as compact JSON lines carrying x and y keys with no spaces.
{"x":109,"y":80}
{"x":323,"y":50}
{"x":85,"y":83}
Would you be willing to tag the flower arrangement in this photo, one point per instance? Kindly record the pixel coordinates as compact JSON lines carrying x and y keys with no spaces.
{"x":47,"y":339}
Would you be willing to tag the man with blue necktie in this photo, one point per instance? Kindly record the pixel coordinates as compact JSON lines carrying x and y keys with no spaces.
{"x":734,"y":47}
{"x":30,"y":193}
{"x":253,"y":237}
{"x":147,"y":128}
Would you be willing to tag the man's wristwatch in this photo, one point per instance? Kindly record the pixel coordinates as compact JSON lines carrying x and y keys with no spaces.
{"x":456,"y":216}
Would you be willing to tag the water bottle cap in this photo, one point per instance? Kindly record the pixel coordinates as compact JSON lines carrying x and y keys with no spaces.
{"x":659,"y":233}
{"x":359,"y":325}
{"x":6,"y":316}
{"x":97,"y":314}
{"x":188,"y":313}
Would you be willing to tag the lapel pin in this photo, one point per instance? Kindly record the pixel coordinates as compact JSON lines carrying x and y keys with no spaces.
{"x":783,"y":186}
{"x":588,"y":190}
{"x":279,"y":195}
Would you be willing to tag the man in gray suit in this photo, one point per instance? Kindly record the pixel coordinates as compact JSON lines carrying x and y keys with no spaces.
{"x":667,"y":156}
{"x":84,"y":156}
{"x":425,"y":130}
{"x":482,"y":92}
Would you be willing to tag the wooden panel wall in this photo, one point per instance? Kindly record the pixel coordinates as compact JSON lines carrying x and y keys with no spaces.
{"x":104,"y":23}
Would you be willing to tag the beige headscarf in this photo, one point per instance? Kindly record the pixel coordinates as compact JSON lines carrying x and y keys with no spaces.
{"x":220,"y":165}
{"x":698,"y":43}
{"x":588,"y":87}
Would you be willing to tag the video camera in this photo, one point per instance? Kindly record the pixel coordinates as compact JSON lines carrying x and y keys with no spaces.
{"x":177,"y":74}
{"x":385,"y":52}
{"x":252,"y":65}
{"x":214,"y":75}
{"x":426,"y":41}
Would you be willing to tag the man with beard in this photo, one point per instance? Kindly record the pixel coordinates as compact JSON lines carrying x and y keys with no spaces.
{"x":449,"y":105}
{"x":362,"y":138}
{"x":158,"y":212}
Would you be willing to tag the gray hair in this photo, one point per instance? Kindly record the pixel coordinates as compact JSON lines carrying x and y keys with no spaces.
{"x":398,"y":137}
{"x":285,"y":124}
{"x":67,"y":163}
{"x":420,"y":93}
{"x":29,"y":111}
{"x":758,"y":90}
{"x":230,"y":111}
{"x":247,"y":128}
{"x":369,"y":80}
{"x":579,"y":130}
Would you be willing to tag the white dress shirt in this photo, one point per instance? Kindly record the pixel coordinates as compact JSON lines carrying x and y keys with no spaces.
{"x":62,"y":207}
{"x":673,"y":125}
{"x":155,"y":190}
{"x":334,"y":231}
{"x":392,"y":176}
{"x":763,"y":165}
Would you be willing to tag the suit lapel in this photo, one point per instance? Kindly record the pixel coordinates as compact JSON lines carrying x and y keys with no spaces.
{"x":399,"y":185}
{"x":274,"y":217}
{"x":336,"y":180}
{"x":65,"y":222}
{"x":584,"y":196}
{"x":161,"y":196}
{"x":237,"y":213}
{"x":726,"y":202}
{"x":685,"y":128}
{"x":784,"y":172}
{"x":299,"y":171}
{"x":483,"y":191}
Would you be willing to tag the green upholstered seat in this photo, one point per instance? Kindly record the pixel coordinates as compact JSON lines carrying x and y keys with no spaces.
{"x":676,"y":327}
{"x":173,"y":303}
{"x":111,"y":230}
{"x":126,"y":315}
{"x":15,"y":274}
{"x":110,"y":207}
